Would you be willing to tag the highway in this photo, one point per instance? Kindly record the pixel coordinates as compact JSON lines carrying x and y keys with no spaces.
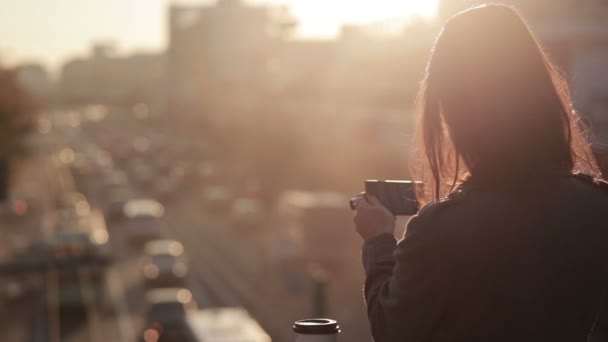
{"x":229,"y":266}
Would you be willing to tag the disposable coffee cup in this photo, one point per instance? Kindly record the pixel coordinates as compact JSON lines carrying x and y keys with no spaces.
{"x":316,"y":330}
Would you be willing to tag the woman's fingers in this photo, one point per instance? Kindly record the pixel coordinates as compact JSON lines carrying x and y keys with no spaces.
{"x":356,"y":202}
{"x":365,"y":200}
{"x":374,"y":200}
{"x":371,"y":218}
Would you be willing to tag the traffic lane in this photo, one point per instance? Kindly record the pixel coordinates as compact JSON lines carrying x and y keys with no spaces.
{"x":119,"y":318}
{"x":123,"y":289}
{"x":23,"y":315}
{"x":130,"y":272}
{"x":50,"y":321}
{"x":262,"y":287}
{"x":125,"y":281}
{"x":113,"y":318}
{"x":108,"y":320}
{"x":207,"y":290}
{"x":251,"y":286}
{"x":200,"y":282}
{"x":17,"y":316}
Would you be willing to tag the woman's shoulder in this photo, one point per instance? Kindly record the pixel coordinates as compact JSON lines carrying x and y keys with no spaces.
{"x":592,"y":181}
{"x":591,"y":190}
{"x":471,"y":194}
{"x":435,"y":222}
{"x":458,"y":208}
{"x":454,"y":198}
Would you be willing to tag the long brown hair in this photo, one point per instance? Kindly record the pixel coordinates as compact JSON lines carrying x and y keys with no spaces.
{"x":492,"y":104}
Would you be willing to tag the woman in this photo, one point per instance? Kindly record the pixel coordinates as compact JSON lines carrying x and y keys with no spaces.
{"x":511,"y":246}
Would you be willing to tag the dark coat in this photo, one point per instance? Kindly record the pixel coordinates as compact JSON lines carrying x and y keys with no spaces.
{"x":526,"y":261}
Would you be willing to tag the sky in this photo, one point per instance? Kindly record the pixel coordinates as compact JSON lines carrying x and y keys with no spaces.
{"x":50,"y":31}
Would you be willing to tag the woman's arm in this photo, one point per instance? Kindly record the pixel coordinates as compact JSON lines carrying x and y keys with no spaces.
{"x":403,"y":283}
{"x":600,"y":329}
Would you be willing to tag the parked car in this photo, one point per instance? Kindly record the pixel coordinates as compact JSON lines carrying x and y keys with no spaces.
{"x":164,"y":264}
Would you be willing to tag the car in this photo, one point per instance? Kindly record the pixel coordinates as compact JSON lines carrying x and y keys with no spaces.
{"x":207,"y":170}
{"x":162,"y":163}
{"x":142,"y":173}
{"x":80,"y":238}
{"x":74,"y":292}
{"x":18,"y":210}
{"x":164,"y":264}
{"x":101,"y":159}
{"x":247,"y":213}
{"x":311,"y":228}
{"x":73,"y":201}
{"x":81,"y":257}
{"x":225,"y":324}
{"x":217,"y":198}
{"x":165,"y":312}
{"x":164,"y":188}
{"x":114,"y":179}
{"x":116,"y":200}
{"x":144,"y":221}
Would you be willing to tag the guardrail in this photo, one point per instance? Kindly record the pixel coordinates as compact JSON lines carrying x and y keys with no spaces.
{"x":41,"y":265}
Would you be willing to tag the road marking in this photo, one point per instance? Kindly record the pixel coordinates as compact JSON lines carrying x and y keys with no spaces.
{"x":52,"y":297}
{"x":88,"y":293}
{"x":117,"y":296}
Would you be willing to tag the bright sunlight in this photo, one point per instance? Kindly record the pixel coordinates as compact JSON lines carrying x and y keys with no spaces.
{"x":324,"y":17}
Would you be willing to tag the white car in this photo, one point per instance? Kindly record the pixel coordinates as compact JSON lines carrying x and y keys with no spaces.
{"x":144,"y":221}
{"x":225,"y":324}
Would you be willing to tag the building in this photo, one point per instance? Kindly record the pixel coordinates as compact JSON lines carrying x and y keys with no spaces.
{"x":106,"y":77}
{"x":225,"y":49}
{"x":35,"y":80}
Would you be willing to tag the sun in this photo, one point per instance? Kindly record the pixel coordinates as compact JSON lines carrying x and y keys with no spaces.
{"x":324,"y":17}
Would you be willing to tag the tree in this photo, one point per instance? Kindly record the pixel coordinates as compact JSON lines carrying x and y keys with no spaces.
{"x":16,"y":122}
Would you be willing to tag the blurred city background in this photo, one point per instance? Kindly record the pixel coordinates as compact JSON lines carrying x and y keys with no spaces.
{"x":180,"y":170}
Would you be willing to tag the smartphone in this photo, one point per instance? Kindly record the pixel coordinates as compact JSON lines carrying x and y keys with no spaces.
{"x":399,"y":197}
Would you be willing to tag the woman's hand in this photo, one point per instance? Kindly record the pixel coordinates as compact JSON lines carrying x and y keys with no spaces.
{"x":371,"y":217}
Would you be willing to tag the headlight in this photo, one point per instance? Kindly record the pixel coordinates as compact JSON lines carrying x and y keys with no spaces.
{"x":151,"y":271}
{"x":180,"y":269}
